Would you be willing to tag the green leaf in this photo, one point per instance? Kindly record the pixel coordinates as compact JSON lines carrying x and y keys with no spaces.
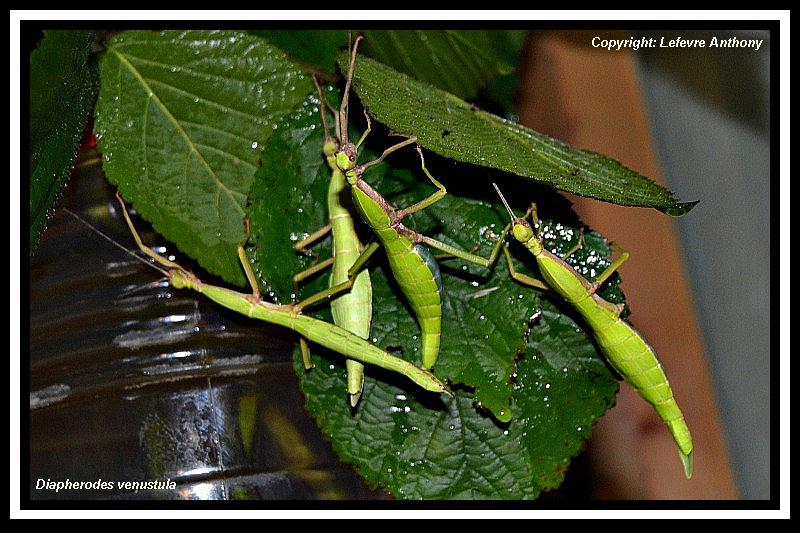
{"x":414,"y":444}
{"x":63,"y":89}
{"x":315,"y":49}
{"x":285,"y":200}
{"x":181,"y":120}
{"x":459,"y":61}
{"x":455,"y":129}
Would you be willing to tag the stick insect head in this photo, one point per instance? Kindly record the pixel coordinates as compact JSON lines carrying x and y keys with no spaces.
{"x":346,"y":157}
{"x":520,"y":227}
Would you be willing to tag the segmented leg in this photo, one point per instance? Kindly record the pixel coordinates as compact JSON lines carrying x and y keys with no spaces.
{"x":519,"y":276}
{"x":336,"y":289}
{"x":301,"y":246}
{"x":430,"y":200}
{"x":618,"y":262}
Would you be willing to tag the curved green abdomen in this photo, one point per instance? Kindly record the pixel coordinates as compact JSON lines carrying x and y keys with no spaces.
{"x":418,"y":276}
{"x":638,"y":364}
{"x":413,"y":268}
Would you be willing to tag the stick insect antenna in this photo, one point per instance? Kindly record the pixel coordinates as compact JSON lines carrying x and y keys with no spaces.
{"x":503,"y":199}
{"x":345,"y":97}
{"x":115,"y":243}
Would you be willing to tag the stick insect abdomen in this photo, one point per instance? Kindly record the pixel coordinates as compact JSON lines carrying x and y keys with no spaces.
{"x":419,"y":278}
{"x":414,"y":269}
{"x":352,"y":310}
{"x":637,"y":363}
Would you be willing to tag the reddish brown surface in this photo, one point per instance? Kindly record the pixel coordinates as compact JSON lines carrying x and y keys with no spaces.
{"x":592,"y":99}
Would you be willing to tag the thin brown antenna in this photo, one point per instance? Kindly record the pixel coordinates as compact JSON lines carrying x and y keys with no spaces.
{"x":343,"y":110}
{"x":112,"y":241}
{"x":503,"y":199}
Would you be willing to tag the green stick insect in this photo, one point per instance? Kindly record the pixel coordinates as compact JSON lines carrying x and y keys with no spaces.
{"x":622,"y":345}
{"x":412,"y":265}
{"x":317,"y":331}
{"x":352,"y":310}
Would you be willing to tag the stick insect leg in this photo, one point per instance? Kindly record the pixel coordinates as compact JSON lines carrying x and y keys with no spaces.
{"x":327,"y":104}
{"x":147,"y":251}
{"x":248,"y":270}
{"x":344,"y":286}
{"x":430,"y":200}
{"x":305,"y":352}
{"x":575,"y":248}
{"x":537,"y":224}
{"x":522,"y":278}
{"x":298,"y":278}
{"x":301,"y":246}
{"x":466,"y":256}
{"x":623,"y":256}
{"x":394,"y":148}
{"x":366,"y":132}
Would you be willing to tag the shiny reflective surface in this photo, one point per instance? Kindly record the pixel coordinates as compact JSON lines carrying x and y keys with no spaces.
{"x":131,"y":380}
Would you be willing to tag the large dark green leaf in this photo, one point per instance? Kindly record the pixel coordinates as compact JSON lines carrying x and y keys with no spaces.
{"x":63,"y":88}
{"x":414,"y":444}
{"x":315,"y":49}
{"x":181,"y":120}
{"x":449,"y":126}
{"x":459,"y":61}
{"x":285,"y":200}
{"x":417,"y":446}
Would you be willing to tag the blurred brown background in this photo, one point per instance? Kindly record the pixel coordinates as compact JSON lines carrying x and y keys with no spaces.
{"x":696,"y":121}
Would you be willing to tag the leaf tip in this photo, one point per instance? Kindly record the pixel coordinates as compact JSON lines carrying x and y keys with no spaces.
{"x":680,"y":209}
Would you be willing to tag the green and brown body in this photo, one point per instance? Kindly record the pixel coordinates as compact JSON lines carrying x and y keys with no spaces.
{"x":626,"y":350}
{"x":413,"y":267}
{"x":317,"y":331}
{"x":352,"y":310}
